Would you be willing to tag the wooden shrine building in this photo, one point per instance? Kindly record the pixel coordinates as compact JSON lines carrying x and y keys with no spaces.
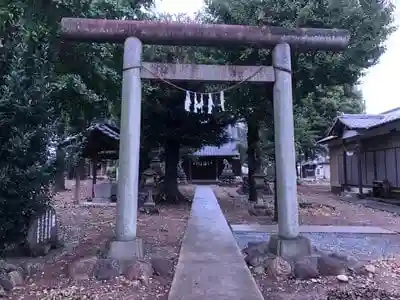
{"x":99,"y":143}
{"x":207,"y":163}
{"x":364,"y":152}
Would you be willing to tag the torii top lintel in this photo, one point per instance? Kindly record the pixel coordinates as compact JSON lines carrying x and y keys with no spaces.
{"x":174,"y":33}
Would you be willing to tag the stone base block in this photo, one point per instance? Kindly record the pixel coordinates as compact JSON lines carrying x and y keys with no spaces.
{"x":260,"y":210}
{"x":260,"y":206}
{"x":149,"y":209}
{"x":290,"y":249}
{"x":126,"y":250}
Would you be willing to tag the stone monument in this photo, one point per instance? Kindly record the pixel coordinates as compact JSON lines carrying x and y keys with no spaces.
{"x":43,"y":233}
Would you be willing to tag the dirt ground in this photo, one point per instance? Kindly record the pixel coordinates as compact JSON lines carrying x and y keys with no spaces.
{"x":320,"y":207}
{"x":86,"y":232}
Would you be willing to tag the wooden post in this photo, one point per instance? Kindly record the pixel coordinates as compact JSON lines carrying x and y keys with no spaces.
{"x":344,"y":170}
{"x":359,"y":169}
{"x":216,"y":169}
{"x":190,"y":169}
{"x":78,"y":175}
{"x":94,"y":175}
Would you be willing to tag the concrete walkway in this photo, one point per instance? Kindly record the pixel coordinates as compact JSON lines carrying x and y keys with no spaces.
{"x":314,"y":228}
{"x":211,"y":266}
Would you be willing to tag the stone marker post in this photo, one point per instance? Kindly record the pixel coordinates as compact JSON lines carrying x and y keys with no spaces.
{"x":287,"y":243}
{"x":127,"y":245}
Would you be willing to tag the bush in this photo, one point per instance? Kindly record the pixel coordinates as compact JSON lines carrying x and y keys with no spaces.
{"x":25,"y":119}
{"x":25,"y":177}
{"x":24,"y":189}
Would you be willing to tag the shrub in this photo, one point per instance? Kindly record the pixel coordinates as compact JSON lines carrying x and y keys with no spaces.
{"x":25,"y":119}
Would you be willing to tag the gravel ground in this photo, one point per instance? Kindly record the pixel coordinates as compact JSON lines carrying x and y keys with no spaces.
{"x":320,"y":207}
{"x":362,"y":246}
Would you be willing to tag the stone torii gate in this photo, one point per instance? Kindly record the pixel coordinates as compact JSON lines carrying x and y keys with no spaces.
{"x":288,"y":242}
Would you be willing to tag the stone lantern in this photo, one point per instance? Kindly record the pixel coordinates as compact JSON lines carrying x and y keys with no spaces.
{"x":260,"y":208}
{"x":157,"y":166}
{"x":259,"y":185}
{"x":150,"y":185}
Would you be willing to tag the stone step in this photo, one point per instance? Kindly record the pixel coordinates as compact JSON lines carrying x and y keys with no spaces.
{"x":211,"y":265}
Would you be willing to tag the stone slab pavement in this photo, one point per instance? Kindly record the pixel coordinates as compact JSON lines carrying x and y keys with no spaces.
{"x":211,"y":266}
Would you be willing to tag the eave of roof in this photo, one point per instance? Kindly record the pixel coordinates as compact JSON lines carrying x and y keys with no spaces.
{"x":227,"y":149}
{"x":327,"y":139}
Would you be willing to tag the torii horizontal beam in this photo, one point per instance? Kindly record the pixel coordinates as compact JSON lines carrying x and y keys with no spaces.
{"x":216,"y":73}
{"x":174,"y":33}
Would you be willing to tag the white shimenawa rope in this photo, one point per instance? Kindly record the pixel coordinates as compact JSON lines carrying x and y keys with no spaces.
{"x":198,"y":98}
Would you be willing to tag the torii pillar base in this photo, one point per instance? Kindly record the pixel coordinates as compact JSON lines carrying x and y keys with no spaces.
{"x":290,"y":249}
{"x":126,"y":250}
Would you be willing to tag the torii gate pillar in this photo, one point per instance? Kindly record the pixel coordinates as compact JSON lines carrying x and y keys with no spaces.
{"x":288,"y":242}
{"x":126,"y":245}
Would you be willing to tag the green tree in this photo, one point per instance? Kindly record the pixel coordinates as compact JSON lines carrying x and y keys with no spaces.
{"x":47,"y":88}
{"x":316,"y":114}
{"x":315,"y":74}
{"x":25,"y":114}
{"x":88,"y":75}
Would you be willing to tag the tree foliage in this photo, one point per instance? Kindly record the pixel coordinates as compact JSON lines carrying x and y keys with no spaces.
{"x":323,"y":81}
{"x":47,"y":88}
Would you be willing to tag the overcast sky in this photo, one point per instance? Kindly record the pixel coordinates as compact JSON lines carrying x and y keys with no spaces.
{"x":380,"y":87}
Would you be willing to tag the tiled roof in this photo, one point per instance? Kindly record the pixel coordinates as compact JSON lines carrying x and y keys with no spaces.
{"x":228,"y":149}
{"x":365,"y":121}
{"x":104,"y":128}
{"x":360,"y":121}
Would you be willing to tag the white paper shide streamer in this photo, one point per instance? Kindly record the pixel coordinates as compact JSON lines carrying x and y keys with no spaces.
{"x":210,"y":104}
{"x":222,"y":100}
{"x":199,"y":103}
{"x":188,"y":101}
